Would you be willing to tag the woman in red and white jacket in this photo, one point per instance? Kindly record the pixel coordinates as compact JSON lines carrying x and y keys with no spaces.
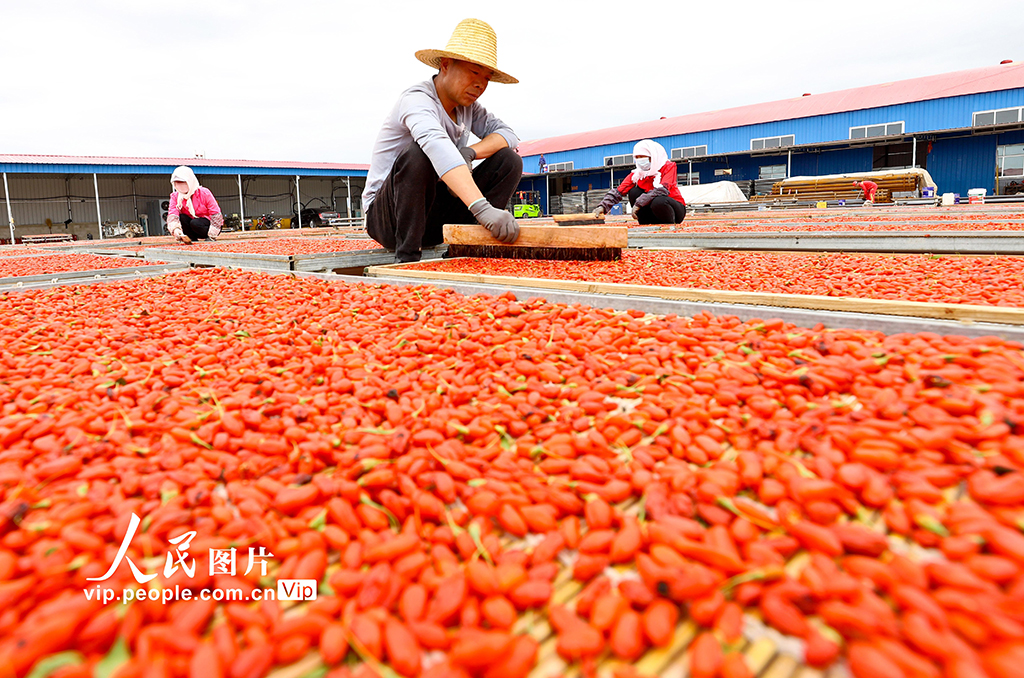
{"x":651,"y":187}
{"x":194,"y":212}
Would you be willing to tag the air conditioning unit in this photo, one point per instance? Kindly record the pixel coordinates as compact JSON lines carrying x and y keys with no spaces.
{"x":157,"y":223}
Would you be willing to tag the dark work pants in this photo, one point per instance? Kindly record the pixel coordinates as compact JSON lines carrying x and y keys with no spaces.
{"x":661,"y":210}
{"x":196,"y":228}
{"x":413,"y":204}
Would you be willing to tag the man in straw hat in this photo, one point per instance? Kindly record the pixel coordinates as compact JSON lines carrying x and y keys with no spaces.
{"x":421,"y":175}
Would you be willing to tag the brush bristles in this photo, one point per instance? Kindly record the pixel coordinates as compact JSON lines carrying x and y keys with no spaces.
{"x":580,"y":222}
{"x":552,"y":253}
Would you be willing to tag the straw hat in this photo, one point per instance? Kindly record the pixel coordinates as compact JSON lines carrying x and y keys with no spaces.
{"x":474,"y":41}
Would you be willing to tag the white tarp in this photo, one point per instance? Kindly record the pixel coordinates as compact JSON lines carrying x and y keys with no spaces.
{"x":720,"y":191}
{"x":925,"y":181}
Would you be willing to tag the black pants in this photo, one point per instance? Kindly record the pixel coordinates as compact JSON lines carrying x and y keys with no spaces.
{"x":661,"y":210}
{"x":196,"y":228}
{"x":413,"y":204}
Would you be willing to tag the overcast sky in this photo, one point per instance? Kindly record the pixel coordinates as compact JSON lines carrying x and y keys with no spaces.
{"x":312,"y":80}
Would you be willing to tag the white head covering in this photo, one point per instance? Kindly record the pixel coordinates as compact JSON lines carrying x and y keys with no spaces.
{"x":658,"y":159}
{"x":186,"y":174}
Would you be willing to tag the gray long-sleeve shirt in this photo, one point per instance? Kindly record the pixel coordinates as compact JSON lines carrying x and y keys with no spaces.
{"x":419,"y":116}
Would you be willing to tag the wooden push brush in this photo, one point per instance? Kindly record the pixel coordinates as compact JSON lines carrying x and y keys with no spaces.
{"x":587,"y":219}
{"x":539,"y":241}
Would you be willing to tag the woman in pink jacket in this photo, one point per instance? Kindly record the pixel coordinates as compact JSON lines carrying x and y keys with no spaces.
{"x":194,"y":212}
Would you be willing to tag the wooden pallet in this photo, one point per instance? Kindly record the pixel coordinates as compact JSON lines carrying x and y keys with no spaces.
{"x":50,"y":237}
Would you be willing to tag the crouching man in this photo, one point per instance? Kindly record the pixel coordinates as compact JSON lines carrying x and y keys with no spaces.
{"x":421,"y":173}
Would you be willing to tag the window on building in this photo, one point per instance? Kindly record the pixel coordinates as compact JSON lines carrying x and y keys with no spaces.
{"x":687,"y":178}
{"x":1010,"y":115}
{"x":772,"y":142}
{"x":886,"y":129}
{"x":984,"y":118}
{"x":772,"y":172}
{"x":689,"y":152}
{"x":1010,"y":169}
{"x":618,"y":160}
{"x":1003,"y":116}
{"x":891,"y":156}
{"x":560,"y":166}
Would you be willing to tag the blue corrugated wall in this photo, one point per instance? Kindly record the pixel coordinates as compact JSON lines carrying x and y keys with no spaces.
{"x":832,"y":162}
{"x":957,"y":165}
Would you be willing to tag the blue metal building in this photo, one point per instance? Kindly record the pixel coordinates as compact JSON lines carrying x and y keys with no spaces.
{"x":966,"y":128}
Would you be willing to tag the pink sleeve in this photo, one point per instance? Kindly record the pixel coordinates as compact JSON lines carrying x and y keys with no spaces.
{"x":211,"y":202}
{"x":173,"y":215}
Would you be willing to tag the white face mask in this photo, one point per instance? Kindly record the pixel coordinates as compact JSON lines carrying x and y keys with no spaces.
{"x":643,"y":164}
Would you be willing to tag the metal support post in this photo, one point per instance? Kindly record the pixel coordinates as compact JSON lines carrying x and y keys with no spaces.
{"x":67,"y":194}
{"x":10,"y":215}
{"x":689,"y":173}
{"x":789,"y":163}
{"x":547,"y":195}
{"x":913,"y":156}
{"x":135,"y":200}
{"x":348,"y":198}
{"x":241,"y":204}
{"x":96,"y":190}
{"x":298,"y":201}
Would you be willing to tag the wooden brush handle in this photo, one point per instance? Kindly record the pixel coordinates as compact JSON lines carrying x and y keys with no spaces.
{"x":576,"y":218}
{"x":541,"y":236}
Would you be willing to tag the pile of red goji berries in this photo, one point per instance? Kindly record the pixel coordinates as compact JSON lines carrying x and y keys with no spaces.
{"x":284,"y":245}
{"x":982,"y":280}
{"x":19,"y":251}
{"x":63,"y":263}
{"x":852,"y":225}
{"x":864,"y":220}
{"x":491,"y":487}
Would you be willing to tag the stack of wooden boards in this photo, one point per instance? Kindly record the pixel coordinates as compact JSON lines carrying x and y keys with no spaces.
{"x":839,"y":188}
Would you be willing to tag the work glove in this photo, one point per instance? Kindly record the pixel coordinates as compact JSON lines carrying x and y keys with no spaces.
{"x":645,"y":199}
{"x":470,"y":155}
{"x":610,"y":198}
{"x":179,"y":234}
{"x":500,"y":223}
{"x":599,"y":212}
